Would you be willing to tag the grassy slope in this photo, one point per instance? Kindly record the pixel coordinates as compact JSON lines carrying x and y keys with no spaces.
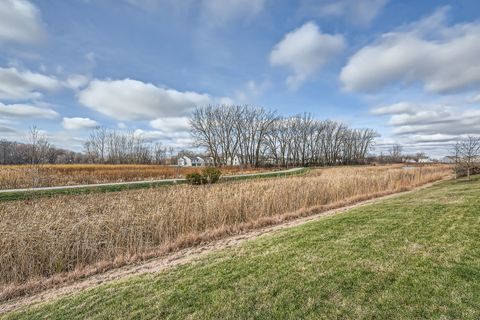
{"x":414,"y":256}
{"x":13,"y":196}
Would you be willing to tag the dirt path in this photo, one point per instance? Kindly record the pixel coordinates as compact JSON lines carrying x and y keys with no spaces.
{"x":177,"y":258}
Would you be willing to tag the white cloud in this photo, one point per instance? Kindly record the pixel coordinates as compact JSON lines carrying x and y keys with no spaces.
{"x":304,"y":51}
{"x":219,"y":12}
{"x":77,"y":123}
{"x":212,"y":12}
{"x":357,"y":12}
{"x":417,"y":119}
{"x":224,"y":100}
{"x":77,"y":81}
{"x":441,"y":58}
{"x":67,"y":139}
{"x":25,"y":85}
{"x":397,"y":108}
{"x":251,"y":91}
{"x":180,"y":139}
{"x":6,"y":129}
{"x":20,"y":22}
{"x":129,"y":99}
{"x":475,"y":99}
{"x":171,"y":124}
{"x":26,"y":111}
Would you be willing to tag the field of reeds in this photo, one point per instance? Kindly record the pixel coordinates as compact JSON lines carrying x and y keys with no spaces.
{"x":48,"y":175}
{"x":70,"y":236}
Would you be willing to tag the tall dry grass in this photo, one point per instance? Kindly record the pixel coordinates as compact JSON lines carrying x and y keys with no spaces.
{"x":48,"y":175}
{"x":47,"y":236}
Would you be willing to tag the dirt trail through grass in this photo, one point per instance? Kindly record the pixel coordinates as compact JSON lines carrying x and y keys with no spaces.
{"x":179,"y":257}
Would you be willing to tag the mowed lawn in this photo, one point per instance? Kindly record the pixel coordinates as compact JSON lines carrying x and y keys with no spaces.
{"x":414,"y":256}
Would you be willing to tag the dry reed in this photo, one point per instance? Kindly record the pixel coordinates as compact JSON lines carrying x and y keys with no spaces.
{"x":50,"y":236}
{"x":26,"y":176}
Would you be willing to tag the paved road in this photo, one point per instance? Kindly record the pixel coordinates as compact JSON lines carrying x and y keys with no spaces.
{"x":166,"y":181}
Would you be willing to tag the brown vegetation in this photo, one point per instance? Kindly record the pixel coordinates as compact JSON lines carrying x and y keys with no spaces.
{"x":51,"y":236}
{"x":47,"y":175}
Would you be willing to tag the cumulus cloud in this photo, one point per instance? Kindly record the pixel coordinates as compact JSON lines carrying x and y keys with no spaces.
{"x":442,"y":58}
{"x":130,"y":99}
{"x":25,"y":85}
{"x":77,"y":123}
{"x":170,"y":124}
{"x":20,"y":22}
{"x":304,"y":51}
{"x":26,"y":111}
{"x":354,"y":11}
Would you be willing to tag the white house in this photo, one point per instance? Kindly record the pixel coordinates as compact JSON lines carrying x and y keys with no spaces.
{"x":448,"y":159}
{"x":234,"y":162}
{"x":209,"y":161}
{"x":184,"y":161}
{"x":197,"y":162}
{"x":425,"y":160}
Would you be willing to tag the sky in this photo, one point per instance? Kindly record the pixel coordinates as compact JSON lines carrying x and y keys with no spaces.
{"x":409,"y":69}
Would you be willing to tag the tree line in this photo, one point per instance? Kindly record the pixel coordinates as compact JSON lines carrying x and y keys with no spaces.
{"x":102,"y":146}
{"x":258,"y":136}
{"x":37,"y":149}
{"x":110,"y":146}
{"x":253,"y":135}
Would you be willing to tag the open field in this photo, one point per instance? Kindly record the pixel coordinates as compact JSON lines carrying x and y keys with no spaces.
{"x":415,"y":256}
{"x":70,"y":236}
{"x":49,"y":175}
{"x":41,"y":192}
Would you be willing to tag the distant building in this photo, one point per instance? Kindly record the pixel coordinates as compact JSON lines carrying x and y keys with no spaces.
{"x":197,"y":161}
{"x":201,"y":161}
{"x":194,"y":161}
{"x":209,"y":161}
{"x":184,"y":161}
{"x":233,"y":162}
{"x":448,"y":159}
{"x":425,"y":160}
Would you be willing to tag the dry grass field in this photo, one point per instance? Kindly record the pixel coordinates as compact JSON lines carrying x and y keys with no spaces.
{"x":25,"y":176}
{"x":69,"y":236}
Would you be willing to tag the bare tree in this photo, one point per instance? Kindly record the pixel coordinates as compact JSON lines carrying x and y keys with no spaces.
{"x":467,"y":154}
{"x":38,"y":145}
{"x":395,"y":153}
{"x":260,"y":137}
{"x":111,"y":146}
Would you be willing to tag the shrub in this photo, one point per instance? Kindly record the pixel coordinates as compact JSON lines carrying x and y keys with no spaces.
{"x":211,"y":175}
{"x":194,"y":178}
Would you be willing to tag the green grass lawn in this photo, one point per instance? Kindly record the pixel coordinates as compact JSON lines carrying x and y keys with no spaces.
{"x":415,"y":256}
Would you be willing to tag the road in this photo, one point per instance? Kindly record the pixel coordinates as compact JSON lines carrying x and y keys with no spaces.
{"x":163,"y":181}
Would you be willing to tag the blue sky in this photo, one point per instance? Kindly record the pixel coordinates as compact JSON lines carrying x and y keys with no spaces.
{"x":409,"y":69}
